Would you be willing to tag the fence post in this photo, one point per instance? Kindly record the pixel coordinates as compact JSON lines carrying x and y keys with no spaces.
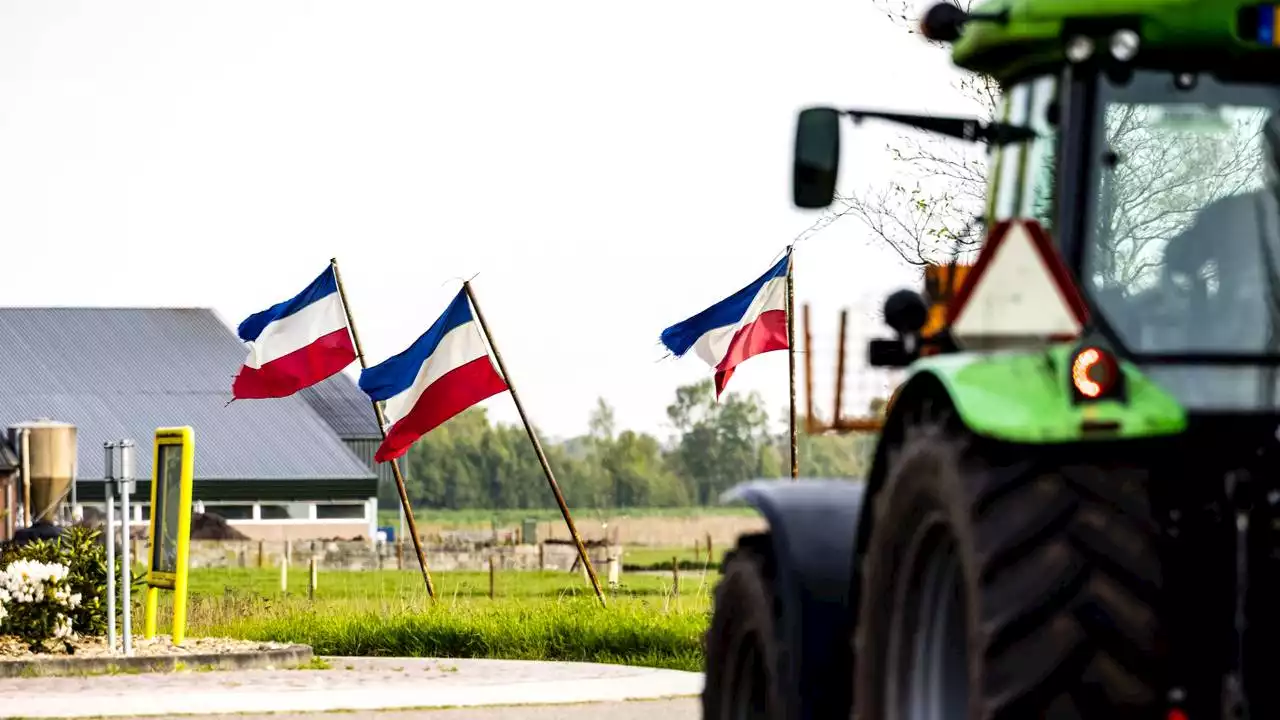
{"x":311,"y":586}
{"x":400,"y":553}
{"x":492,"y":578}
{"x":284,"y":576}
{"x":711,"y":558}
{"x":542,"y":556}
{"x":675,"y":576}
{"x":262,"y":559}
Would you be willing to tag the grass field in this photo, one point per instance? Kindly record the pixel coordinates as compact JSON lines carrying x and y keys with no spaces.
{"x":534,"y":615}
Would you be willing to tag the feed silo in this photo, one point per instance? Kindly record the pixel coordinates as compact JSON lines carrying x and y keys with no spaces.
{"x":46,"y":451}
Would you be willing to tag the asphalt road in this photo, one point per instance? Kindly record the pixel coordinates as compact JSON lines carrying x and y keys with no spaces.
{"x":681,"y":709}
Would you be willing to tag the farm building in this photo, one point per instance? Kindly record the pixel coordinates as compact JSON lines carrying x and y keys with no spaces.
{"x":275,"y":469}
{"x":348,"y":412}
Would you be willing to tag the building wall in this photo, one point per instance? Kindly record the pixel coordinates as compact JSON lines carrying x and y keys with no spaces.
{"x":8,"y":505}
{"x":282,"y":531}
{"x":272,"y":520}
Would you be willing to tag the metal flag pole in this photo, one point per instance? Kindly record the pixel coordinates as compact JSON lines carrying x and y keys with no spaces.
{"x":405,"y":507}
{"x":108,"y":489}
{"x":791,"y":358}
{"x":537,"y":447}
{"x":124,"y":479}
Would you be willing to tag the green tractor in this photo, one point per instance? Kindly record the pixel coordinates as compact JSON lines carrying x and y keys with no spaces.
{"x":1060,"y":521}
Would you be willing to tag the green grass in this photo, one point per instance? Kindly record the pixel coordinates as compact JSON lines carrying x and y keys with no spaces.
{"x":650,"y":558}
{"x":534,"y":615}
{"x":507,"y":517}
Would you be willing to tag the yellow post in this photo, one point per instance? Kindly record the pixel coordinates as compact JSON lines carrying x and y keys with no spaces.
{"x":170,"y":534}
{"x":184,"y":536}
{"x":153,"y":606}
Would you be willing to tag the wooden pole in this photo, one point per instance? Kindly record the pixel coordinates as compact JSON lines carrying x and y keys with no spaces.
{"x":382,"y":428}
{"x":537,"y":447}
{"x":493,"y":580}
{"x":791,"y":359}
{"x":836,"y":415}
{"x":810,"y":423}
{"x":25,"y":449}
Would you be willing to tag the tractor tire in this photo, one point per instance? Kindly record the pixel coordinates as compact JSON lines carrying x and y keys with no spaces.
{"x":1002,"y":582}
{"x":741,"y":647}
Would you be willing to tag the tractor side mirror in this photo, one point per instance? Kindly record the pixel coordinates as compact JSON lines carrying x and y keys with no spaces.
{"x":817,"y":158}
{"x":906,"y":311}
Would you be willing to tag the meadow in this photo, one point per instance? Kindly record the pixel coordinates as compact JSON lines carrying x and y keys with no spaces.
{"x":545,"y":615}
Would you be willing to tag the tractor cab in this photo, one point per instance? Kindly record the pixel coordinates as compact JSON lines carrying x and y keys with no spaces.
{"x":1143,"y":137}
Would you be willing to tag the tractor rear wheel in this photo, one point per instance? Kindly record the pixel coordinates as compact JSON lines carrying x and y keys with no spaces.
{"x":1004,"y":582}
{"x":741,"y":649}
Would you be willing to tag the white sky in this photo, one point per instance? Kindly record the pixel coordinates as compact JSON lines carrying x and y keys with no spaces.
{"x":606,"y":171}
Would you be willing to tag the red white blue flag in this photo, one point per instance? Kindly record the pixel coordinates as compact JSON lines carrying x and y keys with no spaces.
{"x":445,"y":371}
{"x":296,"y":343}
{"x":745,"y":324}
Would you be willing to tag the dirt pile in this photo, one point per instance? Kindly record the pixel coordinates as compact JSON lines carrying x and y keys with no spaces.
{"x":210,"y":526}
{"x":204,"y":526}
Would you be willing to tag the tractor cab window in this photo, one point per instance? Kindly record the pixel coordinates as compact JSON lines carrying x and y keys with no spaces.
{"x":1023,"y":174}
{"x":1182,"y":253}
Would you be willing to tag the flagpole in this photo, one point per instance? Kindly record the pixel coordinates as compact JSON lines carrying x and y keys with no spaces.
{"x":791,"y":359}
{"x":405,"y":507}
{"x":537,"y":446}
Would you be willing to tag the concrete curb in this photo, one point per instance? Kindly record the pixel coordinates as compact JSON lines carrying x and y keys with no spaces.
{"x":348,"y":684}
{"x":106,"y":665}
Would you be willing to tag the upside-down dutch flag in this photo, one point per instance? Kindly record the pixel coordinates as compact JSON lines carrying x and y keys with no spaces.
{"x":745,"y":324}
{"x":444,"y":372}
{"x":296,"y":343}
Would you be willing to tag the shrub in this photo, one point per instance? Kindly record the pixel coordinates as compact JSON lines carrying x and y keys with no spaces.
{"x":82,"y":553}
{"x":36,"y":602}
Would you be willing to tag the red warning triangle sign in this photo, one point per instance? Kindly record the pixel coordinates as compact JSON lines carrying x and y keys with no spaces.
{"x":1019,"y":288}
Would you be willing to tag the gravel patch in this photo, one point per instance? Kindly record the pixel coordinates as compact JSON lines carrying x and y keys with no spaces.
{"x":13,"y":649}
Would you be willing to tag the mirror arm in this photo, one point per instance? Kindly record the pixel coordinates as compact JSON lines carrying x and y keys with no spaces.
{"x":994,"y":133}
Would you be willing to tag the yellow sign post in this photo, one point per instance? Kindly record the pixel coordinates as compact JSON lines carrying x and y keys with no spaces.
{"x":172,"y":465}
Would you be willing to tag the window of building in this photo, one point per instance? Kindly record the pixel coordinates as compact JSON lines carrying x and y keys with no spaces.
{"x":284,"y":511}
{"x":340,"y":511}
{"x":229,"y":511}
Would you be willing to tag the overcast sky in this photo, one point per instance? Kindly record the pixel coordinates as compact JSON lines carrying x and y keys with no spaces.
{"x":607,"y":169}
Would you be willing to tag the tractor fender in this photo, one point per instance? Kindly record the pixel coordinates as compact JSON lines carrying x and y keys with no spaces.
{"x":813,"y":525}
{"x":1025,"y":397}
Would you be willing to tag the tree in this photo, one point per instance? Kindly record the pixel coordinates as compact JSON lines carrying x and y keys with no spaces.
{"x":719,"y":442}
{"x":926,"y":212}
{"x":601,"y":422}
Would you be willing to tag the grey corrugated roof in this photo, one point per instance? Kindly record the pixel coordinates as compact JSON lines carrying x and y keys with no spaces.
{"x":342,"y":404}
{"x":122,"y":372}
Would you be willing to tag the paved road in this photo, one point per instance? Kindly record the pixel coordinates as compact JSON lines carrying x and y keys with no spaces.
{"x":370,"y":687}
{"x":681,"y":709}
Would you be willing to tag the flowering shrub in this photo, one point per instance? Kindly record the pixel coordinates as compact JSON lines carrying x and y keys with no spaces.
{"x":36,"y":601}
{"x":82,"y":555}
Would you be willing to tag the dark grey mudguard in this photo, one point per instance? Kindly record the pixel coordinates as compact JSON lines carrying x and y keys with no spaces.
{"x":813,"y":524}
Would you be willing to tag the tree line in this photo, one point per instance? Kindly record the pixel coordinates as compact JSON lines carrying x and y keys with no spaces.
{"x":471,"y":462}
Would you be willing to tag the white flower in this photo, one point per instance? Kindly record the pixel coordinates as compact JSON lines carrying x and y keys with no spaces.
{"x":62,"y":627}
